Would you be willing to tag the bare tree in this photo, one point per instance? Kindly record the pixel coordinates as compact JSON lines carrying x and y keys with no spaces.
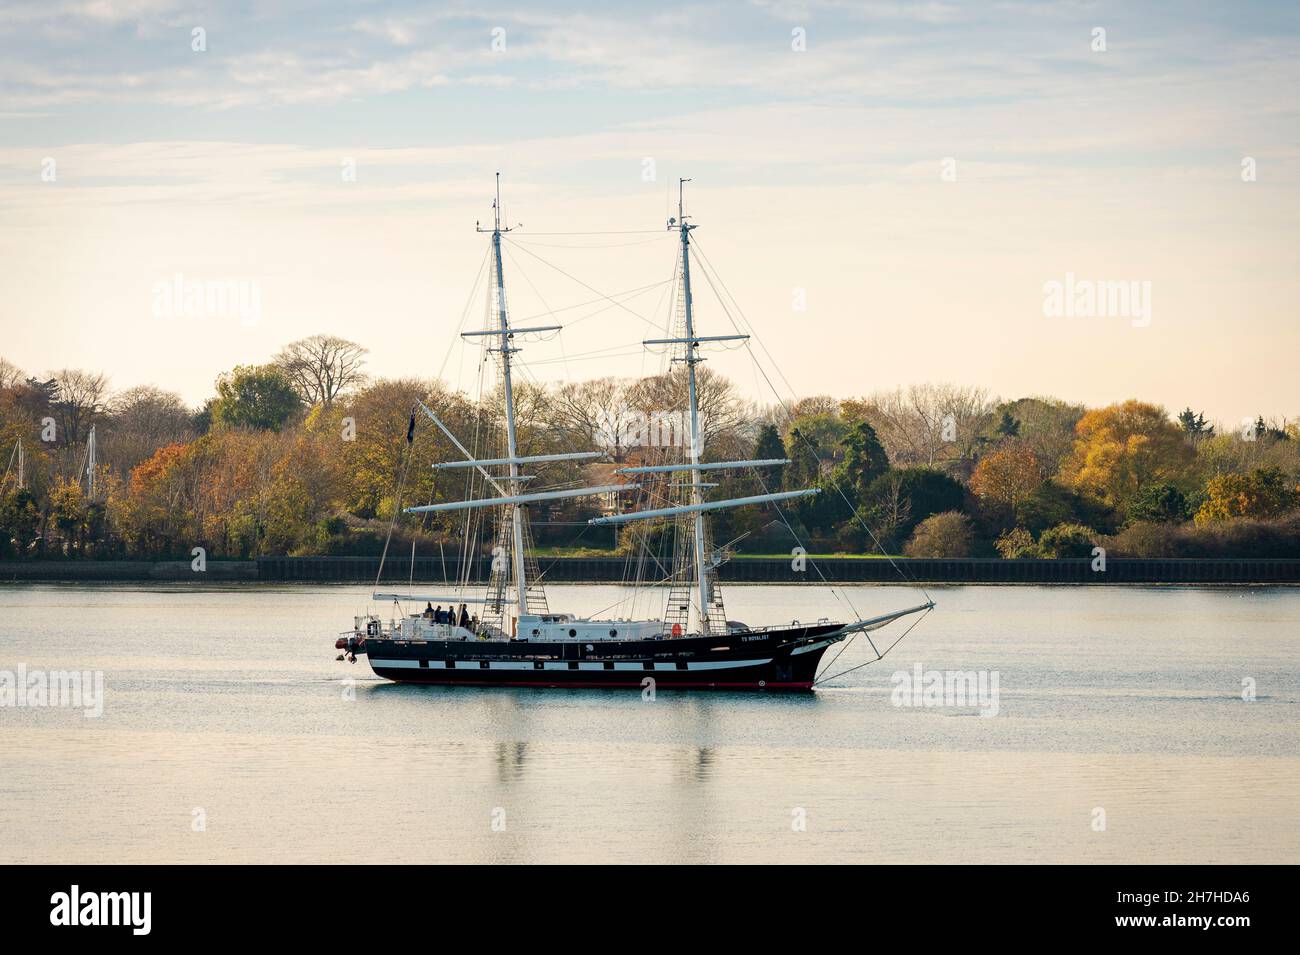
{"x":726,"y":421}
{"x":929,"y":425}
{"x":890,"y":511}
{"x":79,"y":398}
{"x":322,"y":366}
{"x":815,"y":404}
{"x":140,"y":421}
{"x":10,"y":374}
{"x":589,"y":414}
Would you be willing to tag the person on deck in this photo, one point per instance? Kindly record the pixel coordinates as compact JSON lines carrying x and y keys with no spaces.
{"x":428,"y":610}
{"x":464,"y":617}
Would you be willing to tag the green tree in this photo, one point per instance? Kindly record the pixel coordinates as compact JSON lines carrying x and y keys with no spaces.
{"x":20,"y":516}
{"x":1067,"y":540}
{"x":898,"y":500}
{"x":812,"y":440}
{"x":1194,"y":424}
{"x":1158,"y":504}
{"x":1016,"y":543}
{"x":1050,"y":504}
{"x":1008,"y":426}
{"x":942,"y":535}
{"x":770,"y":447}
{"x":1265,"y":430}
{"x":255,"y":396}
{"x":864,"y":461}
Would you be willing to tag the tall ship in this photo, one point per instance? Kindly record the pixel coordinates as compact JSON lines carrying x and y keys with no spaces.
{"x":504,"y":633}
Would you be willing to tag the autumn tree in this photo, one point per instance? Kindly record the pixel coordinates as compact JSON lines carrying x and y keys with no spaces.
{"x":1016,"y":544}
{"x":150,"y":510}
{"x":69,"y":512}
{"x":949,"y":534}
{"x":1044,"y":425}
{"x":1007,"y":476}
{"x":1120,"y":449}
{"x":1263,"y":493}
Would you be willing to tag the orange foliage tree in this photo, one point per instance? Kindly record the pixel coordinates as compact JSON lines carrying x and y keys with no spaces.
{"x":1007,"y":476}
{"x":1120,"y":449}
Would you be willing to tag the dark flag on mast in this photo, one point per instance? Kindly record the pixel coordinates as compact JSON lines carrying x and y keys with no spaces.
{"x":410,"y":429}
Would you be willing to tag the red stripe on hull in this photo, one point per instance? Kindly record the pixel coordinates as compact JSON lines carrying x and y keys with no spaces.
{"x":587,"y":685}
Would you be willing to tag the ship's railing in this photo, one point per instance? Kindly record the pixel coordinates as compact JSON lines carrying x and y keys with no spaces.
{"x":793,"y":624}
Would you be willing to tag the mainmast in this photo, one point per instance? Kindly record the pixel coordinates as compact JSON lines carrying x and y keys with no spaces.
{"x":512,"y":451}
{"x":697,"y":439}
{"x":702,"y":603}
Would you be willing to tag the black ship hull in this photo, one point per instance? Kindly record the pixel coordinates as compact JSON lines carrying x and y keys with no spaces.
{"x":771,"y":659}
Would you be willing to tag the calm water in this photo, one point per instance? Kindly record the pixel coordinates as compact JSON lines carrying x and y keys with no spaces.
{"x":227,"y":706}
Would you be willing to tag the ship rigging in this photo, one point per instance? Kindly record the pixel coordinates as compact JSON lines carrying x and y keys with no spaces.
{"x":517,"y":639}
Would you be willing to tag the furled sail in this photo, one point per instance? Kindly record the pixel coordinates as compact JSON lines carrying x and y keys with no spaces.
{"x":705,"y":506}
{"x":521,"y":498}
{"x":711,"y":466}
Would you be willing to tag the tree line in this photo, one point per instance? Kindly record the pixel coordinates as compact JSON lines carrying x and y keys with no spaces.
{"x":308,"y":455}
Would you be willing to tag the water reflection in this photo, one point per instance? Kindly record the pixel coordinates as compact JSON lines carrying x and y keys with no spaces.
{"x":510,"y":759}
{"x":1123,"y":698}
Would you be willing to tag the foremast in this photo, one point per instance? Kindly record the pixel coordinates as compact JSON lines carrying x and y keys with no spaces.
{"x":507,"y":496}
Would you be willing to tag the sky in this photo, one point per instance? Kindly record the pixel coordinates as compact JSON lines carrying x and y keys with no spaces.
{"x":892,"y":193}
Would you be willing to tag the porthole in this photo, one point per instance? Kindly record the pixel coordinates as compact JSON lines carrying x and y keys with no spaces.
{"x":573,"y":633}
{"x":613,"y":633}
{"x":536,"y":632}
